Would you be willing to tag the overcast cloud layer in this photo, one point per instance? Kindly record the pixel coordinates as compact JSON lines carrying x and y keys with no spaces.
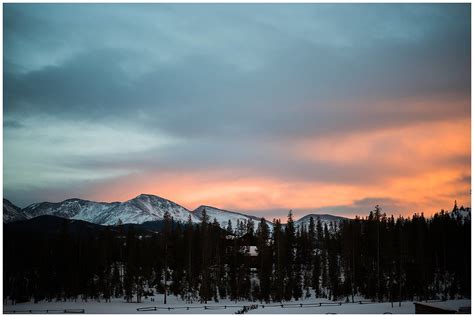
{"x":259,"y":108}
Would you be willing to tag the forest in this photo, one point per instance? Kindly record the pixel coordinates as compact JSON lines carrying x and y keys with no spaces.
{"x":379,"y":257}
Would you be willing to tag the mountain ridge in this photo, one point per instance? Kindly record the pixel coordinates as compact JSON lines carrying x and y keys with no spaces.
{"x":11,"y":212}
{"x":140,"y":209}
{"x":325,"y":219}
{"x":223,"y":216}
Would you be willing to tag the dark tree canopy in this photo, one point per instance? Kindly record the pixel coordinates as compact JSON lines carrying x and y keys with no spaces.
{"x":378,"y":257}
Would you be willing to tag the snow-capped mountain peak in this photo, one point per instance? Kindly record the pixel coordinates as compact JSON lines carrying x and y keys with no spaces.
{"x":147,"y":207}
{"x":140,"y":209}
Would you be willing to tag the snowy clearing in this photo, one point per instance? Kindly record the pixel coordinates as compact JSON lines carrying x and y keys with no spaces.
{"x":177,"y":306}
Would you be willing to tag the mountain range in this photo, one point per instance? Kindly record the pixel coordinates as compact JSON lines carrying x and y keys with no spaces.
{"x":141,"y":209}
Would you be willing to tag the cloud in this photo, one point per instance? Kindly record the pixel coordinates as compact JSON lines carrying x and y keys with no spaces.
{"x":304,"y":78}
{"x":45,"y":152}
{"x":12,"y":124}
{"x":309,"y":98}
{"x":362,"y":207}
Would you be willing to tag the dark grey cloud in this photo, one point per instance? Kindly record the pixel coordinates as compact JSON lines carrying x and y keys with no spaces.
{"x":362,"y":207}
{"x":12,"y":124}
{"x":91,"y":88}
{"x":304,"y":84}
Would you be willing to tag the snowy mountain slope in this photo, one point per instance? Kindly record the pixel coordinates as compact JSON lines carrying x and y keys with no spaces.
{"x":147,"y":208}
{"x":223,"y":216}
{"x":11,"y":212}
{"x":73,"y":208}
{"x":325,"y":219}
{"x":138,"y":210}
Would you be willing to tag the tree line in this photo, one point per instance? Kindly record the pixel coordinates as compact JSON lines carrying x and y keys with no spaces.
{"x":378,"y":257}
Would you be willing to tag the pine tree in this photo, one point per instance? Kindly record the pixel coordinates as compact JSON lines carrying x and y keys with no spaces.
{"x":116,"y":281}
{"x":250,"y":228}
{"x":131,"y":269}
{"x":229,"y":227}
{"x":312,"y":234}
{"x":377,"y":213}
{"x":264,"y":260}
{"x":205,"y":282}
{"x":289,"y":256}
{"x":166,"y":237}
{"x":279,"y":261}
{"x":297,"y":269}
{"x":189,"y":247}
{"x":315,"y":276}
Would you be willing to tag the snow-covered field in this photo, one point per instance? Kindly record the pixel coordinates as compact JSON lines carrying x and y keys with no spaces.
{"x":225,"y":306}
{"x":178,"y":306}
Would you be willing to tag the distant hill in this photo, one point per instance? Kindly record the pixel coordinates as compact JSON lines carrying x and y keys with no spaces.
{"x":325,"y":219}
{"x":223,"y":216}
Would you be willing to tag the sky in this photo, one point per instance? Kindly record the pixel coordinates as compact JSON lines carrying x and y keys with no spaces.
{"x":258,"y":108}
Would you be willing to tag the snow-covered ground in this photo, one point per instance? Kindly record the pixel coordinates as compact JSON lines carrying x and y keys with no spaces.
{"x":178,"y":306}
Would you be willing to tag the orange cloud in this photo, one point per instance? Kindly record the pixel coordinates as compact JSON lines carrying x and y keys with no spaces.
{"x":428,"y":142}
{"x":424,"y":167}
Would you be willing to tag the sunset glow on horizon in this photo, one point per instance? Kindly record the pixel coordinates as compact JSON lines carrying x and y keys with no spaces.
{"x":255,"y":110}
{"x":415,"y":180}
